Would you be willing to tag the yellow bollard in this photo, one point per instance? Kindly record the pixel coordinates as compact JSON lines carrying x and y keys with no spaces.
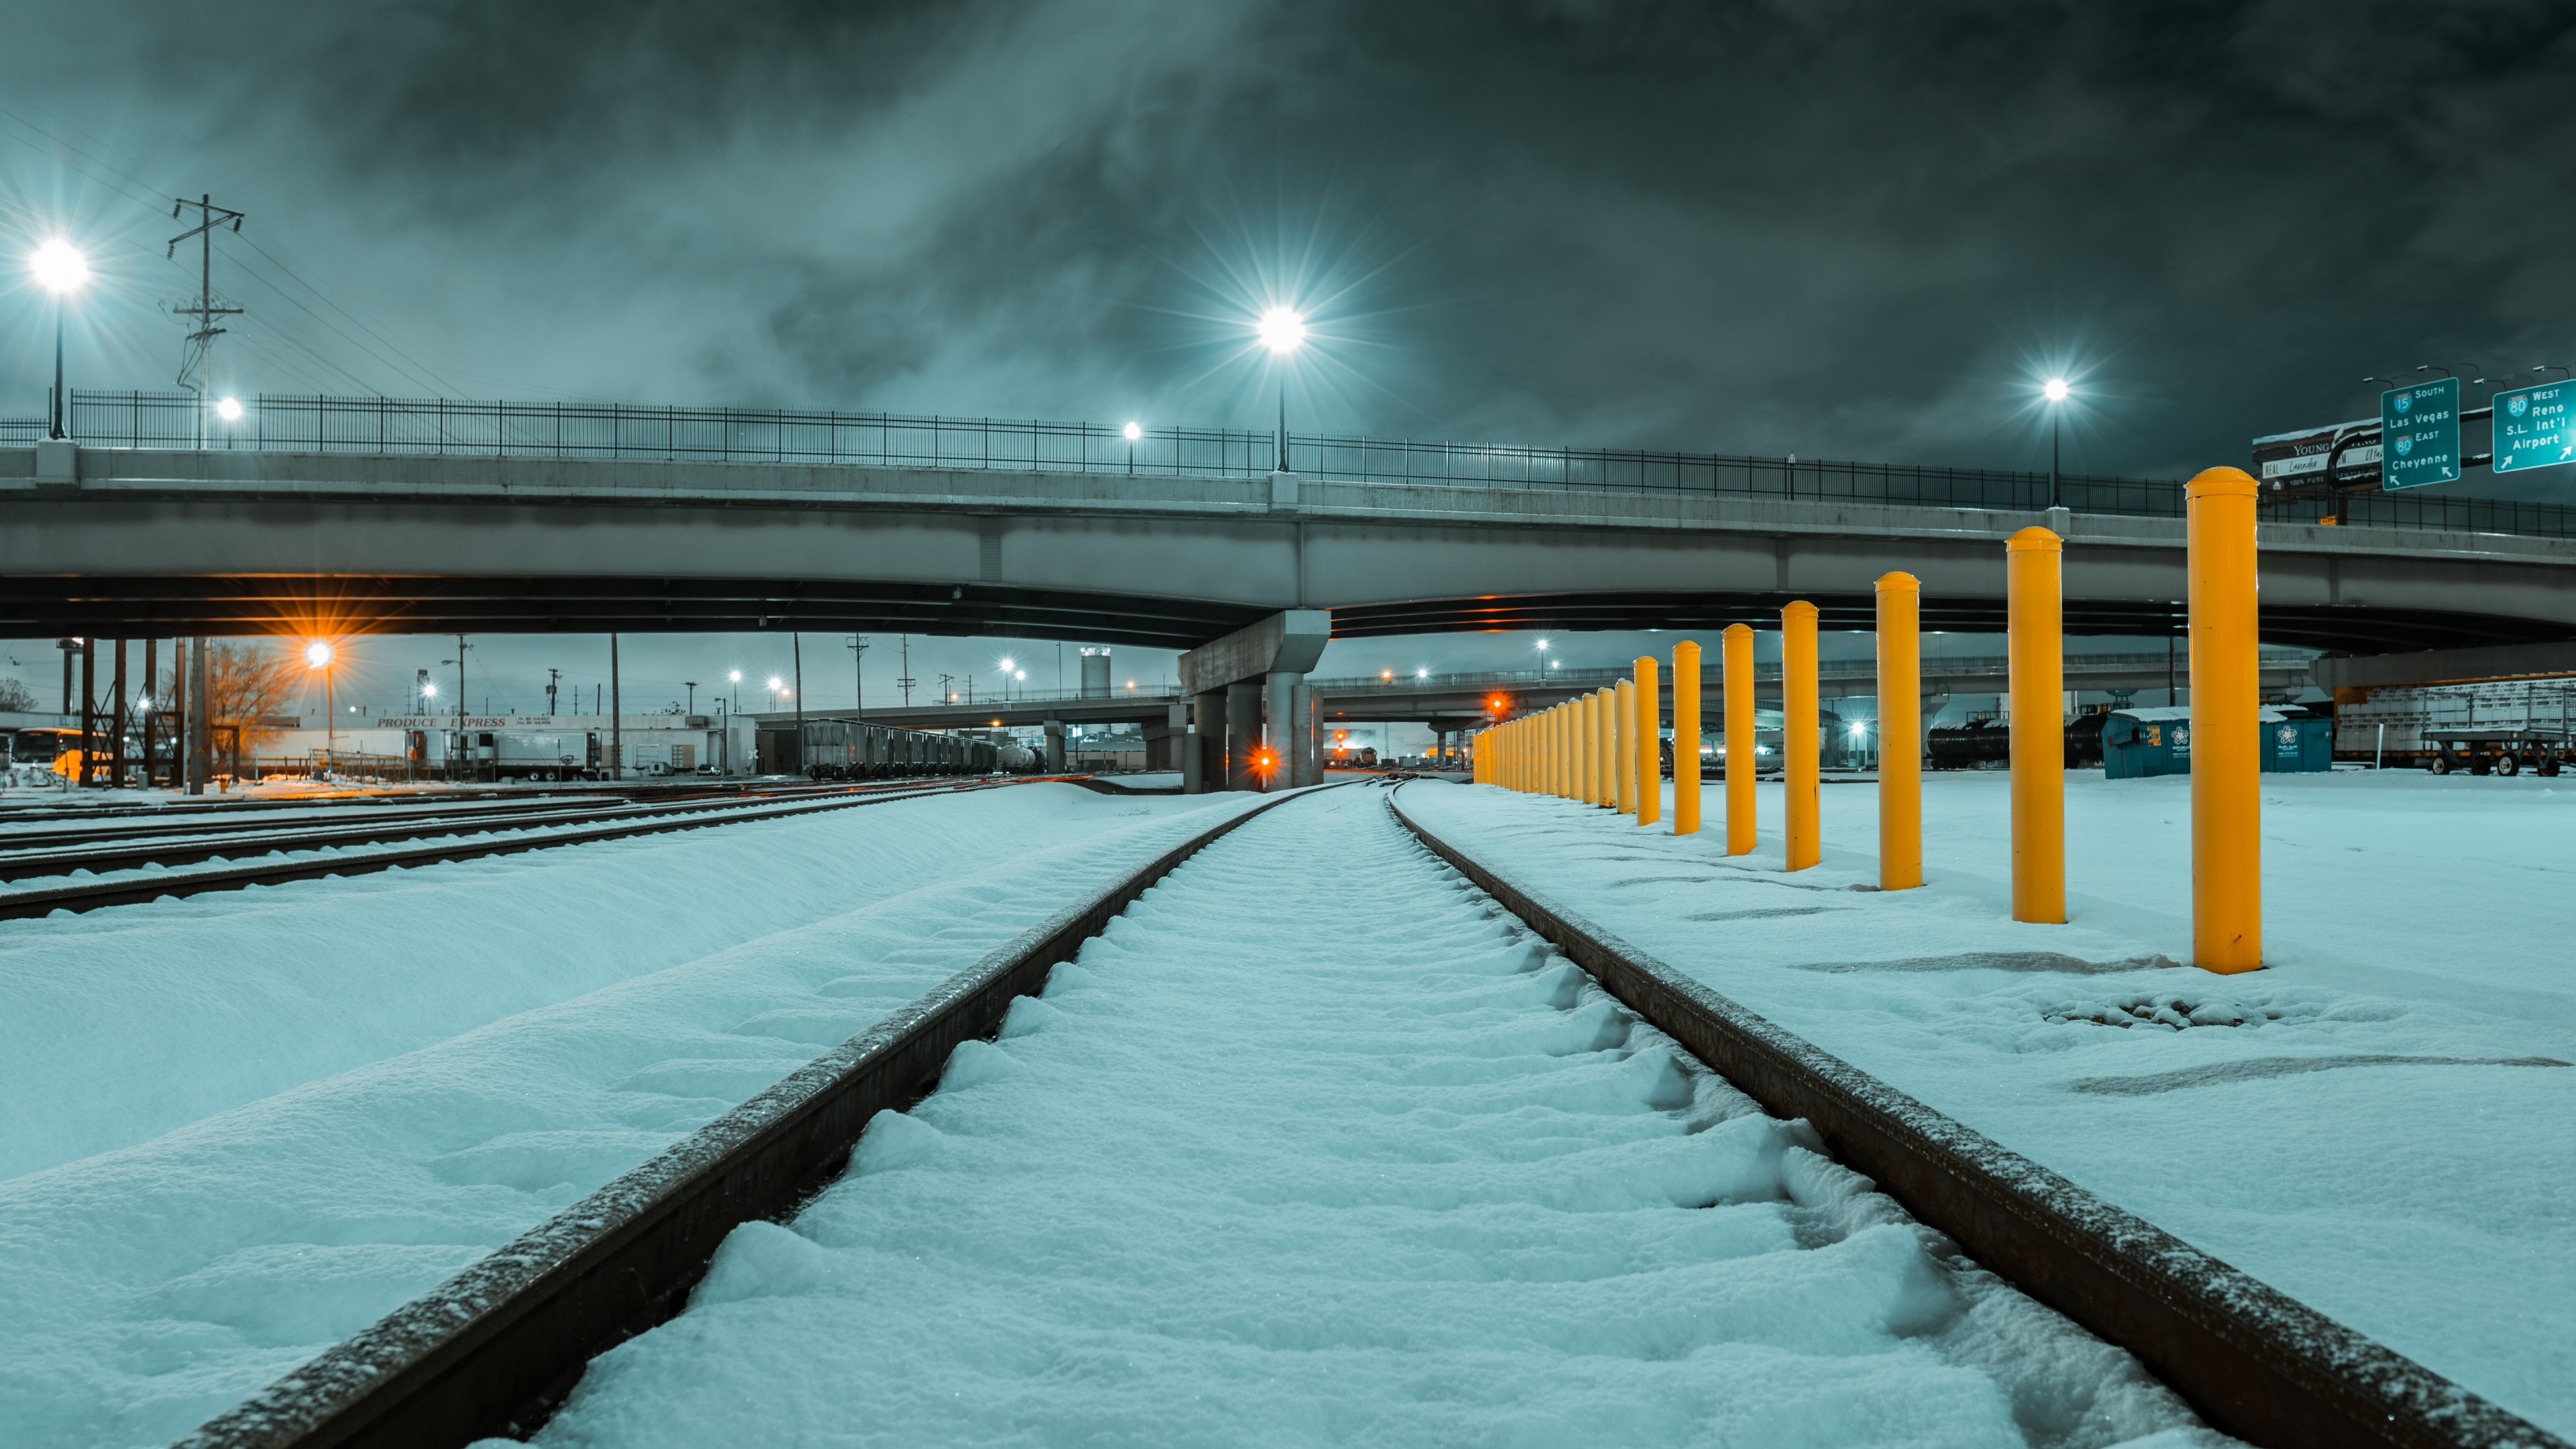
{"x":2226,"y":740}
{"x":1564,"y":766}
{"x":1649,"y":722}
{"x":1686,"y":738}
{"x":1741,"y":762}
{"x":1624,"y":749}
{"x":1593,"y":749}
{"x":2036,"y":648}
{"x":1586,"y":758}
{"x":1605,"y":720}
{"x":1900,"y":732}
{"x":1798,"y":732}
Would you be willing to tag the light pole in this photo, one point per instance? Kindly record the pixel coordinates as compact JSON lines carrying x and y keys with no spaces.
{"x":2055,"y":391}
{"x":1133,"y":430}
{"x":1283,"y":331}
{"x":317,"y":655}
{"x":61,"y":270}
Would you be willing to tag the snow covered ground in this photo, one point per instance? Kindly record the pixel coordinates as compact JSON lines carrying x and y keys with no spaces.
{"x":1315,"y":1146}
{"x":244,"y":1125}
{"x":2379,"y":1123}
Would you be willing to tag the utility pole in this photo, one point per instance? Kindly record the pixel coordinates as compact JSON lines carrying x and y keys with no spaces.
{"x":796,"y":641}
{"x":906,"y":682}
{"x":858,"y":677}
{"x":616,"y":717}
{"x":551,"y":676}
{"x":209,"y":217}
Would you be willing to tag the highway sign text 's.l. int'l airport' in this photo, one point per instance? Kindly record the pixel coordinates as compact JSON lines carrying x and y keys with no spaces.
{"x":2534,"y":427}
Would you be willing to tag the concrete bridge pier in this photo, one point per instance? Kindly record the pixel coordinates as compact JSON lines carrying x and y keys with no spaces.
{"x":1262,"y":670}
{"x":1203,"y":759}
{"x":1055,"y":746}
{"x":1242,"y":735}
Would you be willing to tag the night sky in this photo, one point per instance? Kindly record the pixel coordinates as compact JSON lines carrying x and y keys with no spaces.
{"x":1842,"y":231}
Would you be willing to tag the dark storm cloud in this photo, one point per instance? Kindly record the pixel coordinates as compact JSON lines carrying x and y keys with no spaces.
{"x":1838,"y":230}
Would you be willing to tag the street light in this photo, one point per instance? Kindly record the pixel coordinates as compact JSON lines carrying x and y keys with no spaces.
{"x":317,"y":655}
{"x":230,"y":410}
{"x":1283,"y":331}
{"x":61,"y":270}
{"x":2055,"y":391}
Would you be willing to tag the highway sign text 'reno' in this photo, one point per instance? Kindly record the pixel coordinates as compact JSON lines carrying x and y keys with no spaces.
{"x":2534,"y":427}
{"x":2419,"y":434}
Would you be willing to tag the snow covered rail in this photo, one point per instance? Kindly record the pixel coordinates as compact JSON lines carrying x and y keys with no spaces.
{"x":31,"y":854}
{"x":494,"y":1348}
{"x":2255,"y":1362}
{"x":530,"y":835}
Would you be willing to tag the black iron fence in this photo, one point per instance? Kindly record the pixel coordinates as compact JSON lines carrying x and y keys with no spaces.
{"x":314,"y":424}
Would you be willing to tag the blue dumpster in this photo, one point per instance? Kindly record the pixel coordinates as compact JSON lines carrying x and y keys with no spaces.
{"x":2139,"y":742}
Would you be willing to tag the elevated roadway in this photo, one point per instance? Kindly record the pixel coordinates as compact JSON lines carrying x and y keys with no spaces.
{"x":137,"y":542}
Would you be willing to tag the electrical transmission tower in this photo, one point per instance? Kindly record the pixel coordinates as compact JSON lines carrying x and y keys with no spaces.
{"x":192,"y":364}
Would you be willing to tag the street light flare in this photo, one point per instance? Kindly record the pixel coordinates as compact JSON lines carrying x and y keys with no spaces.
{"x":59,"y":267}
{"x":1282,"y":329}
{"x":2056,"y":389}
{"x":317,"y":655}
{"x":1134,"y":430}
{"x":230,"y":410}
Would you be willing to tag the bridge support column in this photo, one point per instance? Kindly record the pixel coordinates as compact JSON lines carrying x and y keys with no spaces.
{"x":1282,"y":712}
{"x":1055,"y":746}
{"x":1242,"y":735}
{"x":1203,"y":754}
{"x":1306,"y":746}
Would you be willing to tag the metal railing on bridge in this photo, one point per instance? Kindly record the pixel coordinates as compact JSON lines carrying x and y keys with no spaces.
{"x":440,"y":426}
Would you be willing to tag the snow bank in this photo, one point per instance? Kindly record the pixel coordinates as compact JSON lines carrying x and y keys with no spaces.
{"x":119,"y":1025}
{"x":1317,"y":1146}
{"x":145,"y":1289}
{"x":2376,"y":1124}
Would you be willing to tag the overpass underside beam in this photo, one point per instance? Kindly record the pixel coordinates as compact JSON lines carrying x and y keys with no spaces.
{"x":2311,"y":627}
{"x":35,"y":606}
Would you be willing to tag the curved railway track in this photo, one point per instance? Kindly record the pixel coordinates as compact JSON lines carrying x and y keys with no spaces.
{"x":452,"y":837}
{"x":496,"y":1348}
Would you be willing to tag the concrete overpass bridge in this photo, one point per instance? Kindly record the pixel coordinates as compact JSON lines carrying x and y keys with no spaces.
{"x":141,"y":541}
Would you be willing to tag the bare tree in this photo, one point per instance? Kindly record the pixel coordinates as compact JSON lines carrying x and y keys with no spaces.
{"x":17,"y":698}
{"x":248,"y":681}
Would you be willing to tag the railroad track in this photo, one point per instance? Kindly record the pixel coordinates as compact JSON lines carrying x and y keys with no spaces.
{"x":27,"y":855}
{"x":655,"y":819}
{"x":494,"y":1349}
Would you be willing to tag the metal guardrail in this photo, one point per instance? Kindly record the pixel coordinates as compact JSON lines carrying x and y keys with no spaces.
{"x":442,"y":426}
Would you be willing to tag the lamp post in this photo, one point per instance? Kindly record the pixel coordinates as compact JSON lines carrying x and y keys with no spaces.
{"x":317,"y":655}
{"x":61,"y":270}
{"x":1133,"y":430}
{"x":1283,"y":331}
{"x":2056,"y":391}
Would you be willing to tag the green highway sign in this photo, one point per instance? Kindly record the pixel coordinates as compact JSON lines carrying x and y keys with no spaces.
{"x":2534,"y":428}
{"x":2419,"y":434}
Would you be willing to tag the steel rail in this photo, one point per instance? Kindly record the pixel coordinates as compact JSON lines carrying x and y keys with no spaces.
{"x":92,"y":895}
{"x":188,"y":845}
{"x":2250,"y":1359}
{"x":494,"y":1349}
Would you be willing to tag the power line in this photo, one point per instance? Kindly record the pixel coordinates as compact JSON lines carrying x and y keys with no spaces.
{"x":201,"y":341}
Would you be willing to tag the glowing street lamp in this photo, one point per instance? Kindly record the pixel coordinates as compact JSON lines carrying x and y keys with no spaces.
{"x":230,"y":410}
{"x":1133,"y":430}
{"x":317,"y":655}
{"x":2055,"y":390}
{"x":1283,"y":330}
{"x":62,"y":270}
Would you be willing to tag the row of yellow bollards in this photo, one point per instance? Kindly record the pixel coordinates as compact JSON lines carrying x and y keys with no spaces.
{"x":1604,"y":748}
